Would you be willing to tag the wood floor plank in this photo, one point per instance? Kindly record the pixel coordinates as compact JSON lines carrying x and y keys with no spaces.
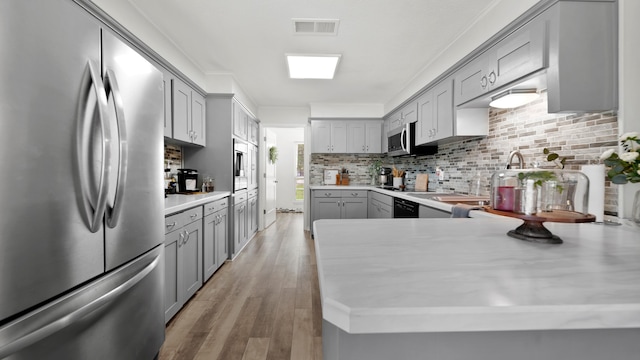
{"x":265,"y":304}
{"x":257,"y":349}
{"x":302,"y":341}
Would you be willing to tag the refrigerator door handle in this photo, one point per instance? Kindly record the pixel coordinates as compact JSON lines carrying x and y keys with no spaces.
{"x":21,"y":340}
{"x":112,"y":89}
{"x":93,"y":201}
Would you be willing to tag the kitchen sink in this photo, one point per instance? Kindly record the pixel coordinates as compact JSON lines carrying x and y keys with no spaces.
{"x":452,"y":198}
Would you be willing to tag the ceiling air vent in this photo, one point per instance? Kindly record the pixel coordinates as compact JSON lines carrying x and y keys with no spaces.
{"x":315,"y":26}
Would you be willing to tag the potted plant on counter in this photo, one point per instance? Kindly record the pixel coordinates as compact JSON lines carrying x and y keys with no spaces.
{"x":625,"y":167}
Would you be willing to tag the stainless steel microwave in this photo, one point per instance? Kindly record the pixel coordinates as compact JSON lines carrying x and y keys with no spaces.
{"x":402,"y":142}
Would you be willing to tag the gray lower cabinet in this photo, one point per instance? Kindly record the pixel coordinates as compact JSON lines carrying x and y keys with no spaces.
{"x":215,"y":241}
{"x":240,"y":222}
{"x":429,"y":212}
{"x":183,"y":258}
{"x":252,"y":203}
{"x":380,"y":206}
{"x":339,"y":204}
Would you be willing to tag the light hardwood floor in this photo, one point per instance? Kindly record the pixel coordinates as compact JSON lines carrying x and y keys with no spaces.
{"x":263,"y":305}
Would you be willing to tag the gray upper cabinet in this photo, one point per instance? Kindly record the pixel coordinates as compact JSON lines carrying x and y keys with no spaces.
{"x":346,"y":136}
{"x":518,"y":55}
{"x":406,"y":115}
{"x":166,"y":86}
{"x":240,"y":121}
{"x":188,"y":111}
{"x":435,"y":113}
{"x":254,"y":131}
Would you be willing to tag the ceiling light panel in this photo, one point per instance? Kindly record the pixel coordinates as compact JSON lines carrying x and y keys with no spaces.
{"x":303,"y":66}
{"x":315,"y":26}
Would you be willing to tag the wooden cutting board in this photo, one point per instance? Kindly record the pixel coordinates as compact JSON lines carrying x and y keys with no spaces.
{"x":422,"y":182}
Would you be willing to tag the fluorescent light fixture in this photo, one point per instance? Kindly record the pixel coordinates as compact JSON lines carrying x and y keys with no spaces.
{"x":514,"y":98}
{"x":312,"y":66}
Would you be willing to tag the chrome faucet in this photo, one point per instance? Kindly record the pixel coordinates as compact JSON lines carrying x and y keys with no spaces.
{"x":517,"y":154}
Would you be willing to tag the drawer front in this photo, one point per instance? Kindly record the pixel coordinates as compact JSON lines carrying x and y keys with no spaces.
{"x":214,"y":206}
{"x":192,"y":215}
{"x":382,"y":198}
{"x":252,"y":193}
{"x":239,"y":198}
{"x":327,"y":193}
{"x":354,"y":194}
{"x":173,"y":222}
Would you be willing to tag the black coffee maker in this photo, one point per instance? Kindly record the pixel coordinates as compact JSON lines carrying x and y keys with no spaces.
{"x":187,"y":180}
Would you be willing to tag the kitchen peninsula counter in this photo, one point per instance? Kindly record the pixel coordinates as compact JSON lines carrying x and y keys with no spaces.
{"x":454,"y":287}
{"x":179,"y":202}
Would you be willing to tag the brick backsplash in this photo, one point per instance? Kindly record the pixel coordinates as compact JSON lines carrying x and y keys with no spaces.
{"x":172,"y":157}
{"x":580,"y":138}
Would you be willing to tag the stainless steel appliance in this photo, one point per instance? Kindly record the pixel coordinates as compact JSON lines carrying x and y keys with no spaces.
{"x":240,"y":151}
{"x":405,"y":209}
{"x":81,"y":274}
{"x":187,"y":180}
{"x":386,"y":178}
{"x":401,"y":141}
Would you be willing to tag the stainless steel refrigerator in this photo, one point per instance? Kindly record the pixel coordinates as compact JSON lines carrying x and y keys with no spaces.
{"x":81,"y":198}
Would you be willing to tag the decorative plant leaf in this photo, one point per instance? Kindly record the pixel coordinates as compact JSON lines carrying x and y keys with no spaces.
{"x":619,"y":179}
{"x":545,"y":151}
{"x":552,"y":157}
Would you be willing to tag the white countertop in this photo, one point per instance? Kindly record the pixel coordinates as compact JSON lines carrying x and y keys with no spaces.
{"x":399,"y":194}
{"x":450,"y":275}
{"x":177,"y":202}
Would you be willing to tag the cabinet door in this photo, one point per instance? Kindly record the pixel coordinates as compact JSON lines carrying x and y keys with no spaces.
{"x":209,"y":250}
{"x":424,"y":127}
{"x":378,"y":210}
{"x":385,"y":139}
{"x":222,"y":237}
{"x":172,"y":274}
{"x":320,"y":137}
{"x":253,"y":167}
{"x":198,"y":119}
{"x":339,"y":137}
{"x":442,"y":118}
{"x":240,"y":119}
{"x":240,"y":224}
{"x":166,"y":86}
{"x":354,"y":208}
{"x":471,"y":81}
{"x":520,"y":54}
{"x":356,"y":142}
{"x":181,"y":100}
{"x":253,"y":131}
{"x":373,"y":138}
{"x":395,"y":120}
{"x":410,"y":113}
{"x":192,"y":259}
{"x":326,"y":208}
{"x":253,"y":216}
{"x":429,"y":212}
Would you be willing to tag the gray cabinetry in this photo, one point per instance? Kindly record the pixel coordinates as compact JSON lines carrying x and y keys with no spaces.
{"x":429,"y":212}
{"x":406,"y":115}
{"x":183,"y":259}
{"x":518,"y":55}
{"x":240,"y":121}
{"x":188,"y":111}
{"x":364,"y":137}
{"x":252,"y":203}
{"x":435,"y":113}
{"x":215,"y":242}
{"x":252,"y":167}
{"x":240,"y":222}
{"x":166,"y":87}
{"x":339,"y":204}
{"x":380,"y":206}
{"x":328,"y":136}
{"x":254,"y":131}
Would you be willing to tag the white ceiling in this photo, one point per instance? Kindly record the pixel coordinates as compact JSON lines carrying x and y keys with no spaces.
{"x":384,"y":43}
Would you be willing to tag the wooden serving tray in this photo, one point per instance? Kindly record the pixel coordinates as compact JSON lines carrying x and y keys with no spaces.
{"x":563,"y":216}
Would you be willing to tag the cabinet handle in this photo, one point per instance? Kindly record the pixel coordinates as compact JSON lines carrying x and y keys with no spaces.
{"x":187,"y":235}
{"x":193,"y":216}
{"x":171,"y":226}
{"x":492,"y":78}
{"x":211,"y":208}
{"x":195,"y":136}
{"x":181,"y":240}
{"x":483,"y":82}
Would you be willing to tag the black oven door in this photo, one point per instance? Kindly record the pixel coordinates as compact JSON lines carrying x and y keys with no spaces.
{"x":405,"y":209}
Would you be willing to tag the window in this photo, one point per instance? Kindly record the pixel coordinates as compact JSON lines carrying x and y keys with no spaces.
{"x":299,"y":151}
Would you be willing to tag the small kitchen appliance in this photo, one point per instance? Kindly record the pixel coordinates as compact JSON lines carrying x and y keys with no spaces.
{"x":187,"y":180}
{"x":386,"y":179}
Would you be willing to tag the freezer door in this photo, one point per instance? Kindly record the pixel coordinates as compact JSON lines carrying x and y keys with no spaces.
{"x":46,"y":246}
{"x":135,"y":211}
{"x":119,"y":316}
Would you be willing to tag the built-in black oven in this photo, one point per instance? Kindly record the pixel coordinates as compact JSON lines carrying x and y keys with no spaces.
{"x":405,"y":209}
{"x":240,"y":154}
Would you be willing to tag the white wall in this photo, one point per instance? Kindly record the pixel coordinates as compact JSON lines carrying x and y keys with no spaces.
{"x":287,"y":139}
{"x":629,"y":113}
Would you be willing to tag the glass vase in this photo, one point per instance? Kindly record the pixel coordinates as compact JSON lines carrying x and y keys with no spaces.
{"x":635,"y":217}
